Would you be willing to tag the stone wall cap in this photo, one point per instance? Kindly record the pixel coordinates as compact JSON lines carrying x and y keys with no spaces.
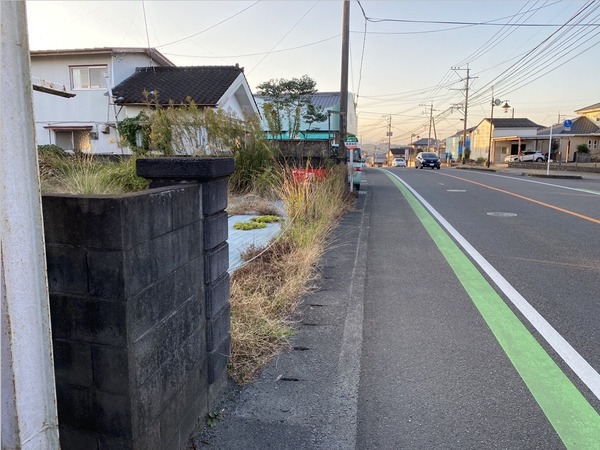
{"x":184,"y":168}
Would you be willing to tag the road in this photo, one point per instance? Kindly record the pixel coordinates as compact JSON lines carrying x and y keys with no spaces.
{"x":481,"y":307}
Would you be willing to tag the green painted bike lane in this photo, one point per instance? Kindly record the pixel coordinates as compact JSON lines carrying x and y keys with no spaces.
{"x":576,"y":422}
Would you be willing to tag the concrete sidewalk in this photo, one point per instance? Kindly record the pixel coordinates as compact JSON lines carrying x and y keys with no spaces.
{"x":306,"y":397}
{"x":240,"y":240}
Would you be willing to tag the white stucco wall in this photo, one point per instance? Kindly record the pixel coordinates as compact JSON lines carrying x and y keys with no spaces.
{"x":89,"y":107}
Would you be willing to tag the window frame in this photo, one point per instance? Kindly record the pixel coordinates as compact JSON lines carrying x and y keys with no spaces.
{"x":88,"y":67}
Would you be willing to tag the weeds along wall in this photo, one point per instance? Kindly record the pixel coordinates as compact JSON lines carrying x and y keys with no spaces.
{"x":139,"y":296}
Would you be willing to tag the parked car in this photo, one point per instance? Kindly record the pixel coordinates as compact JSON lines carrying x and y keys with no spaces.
{"x":357,"y":167}
{"x":511,"y":158}
{"x":399,"y":162}
{"x":427,"y":159}
{"x":532,"y":155}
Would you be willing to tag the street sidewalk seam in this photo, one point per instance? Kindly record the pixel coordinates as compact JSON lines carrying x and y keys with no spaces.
{"x":343,"y":414}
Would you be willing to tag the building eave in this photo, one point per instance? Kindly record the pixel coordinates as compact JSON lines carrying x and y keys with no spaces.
{"x":151,"y":52}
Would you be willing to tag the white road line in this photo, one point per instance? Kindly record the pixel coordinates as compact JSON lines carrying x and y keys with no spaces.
{"x":587,"y":191}
{"x":575,"y":361}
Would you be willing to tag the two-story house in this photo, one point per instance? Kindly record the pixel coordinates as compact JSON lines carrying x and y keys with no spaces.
{"x":86,"y":122}
{"x":110,"y":85}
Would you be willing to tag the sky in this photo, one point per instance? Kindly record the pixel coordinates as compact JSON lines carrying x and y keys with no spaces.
{"x":407,"y":61}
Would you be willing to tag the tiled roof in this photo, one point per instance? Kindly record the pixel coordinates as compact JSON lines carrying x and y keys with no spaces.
{"x":594,"y":107}
{"x":203,"y":84}
{"x":460,"y":133}
{"x":513,"y":123}
{"x":581,"y":126}
{"x":423,"y":142}
{"x":326,"y":100}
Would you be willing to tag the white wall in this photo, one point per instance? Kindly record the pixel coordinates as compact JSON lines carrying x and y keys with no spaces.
{"x":90,"y":107}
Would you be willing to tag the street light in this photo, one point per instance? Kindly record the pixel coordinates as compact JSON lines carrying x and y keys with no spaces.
{"x":506,"y":107}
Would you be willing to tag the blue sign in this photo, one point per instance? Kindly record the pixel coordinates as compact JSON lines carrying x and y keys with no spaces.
{"x":568,"y":123}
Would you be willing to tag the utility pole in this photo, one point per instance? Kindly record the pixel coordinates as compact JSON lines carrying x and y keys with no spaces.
{"x":344,"y":79}
{"x":430,"y":120}
{"x":389,"y":134}
{"x":437,"y":143}
{"x":467,"y":79}
{"x":29,"y":416}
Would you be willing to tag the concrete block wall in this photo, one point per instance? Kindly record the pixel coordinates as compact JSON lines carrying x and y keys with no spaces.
{"x":139,"y":297}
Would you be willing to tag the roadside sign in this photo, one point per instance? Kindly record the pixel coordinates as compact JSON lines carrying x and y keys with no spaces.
{"x":568,"y":124}
{"x":351,"y":142}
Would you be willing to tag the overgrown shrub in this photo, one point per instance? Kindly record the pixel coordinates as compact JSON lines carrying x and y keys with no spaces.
{"x":50,"y":149}
{"x":86,"y":175}
{"x":129,"y":129}
{"x":583,"y":148}
{"x":265,"y":292}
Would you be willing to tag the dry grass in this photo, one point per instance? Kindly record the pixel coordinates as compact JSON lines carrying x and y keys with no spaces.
{"x":264,"y":296}
{"x":251,"y":204}
{"x":86,"y":175}
{"x":265,"y":292}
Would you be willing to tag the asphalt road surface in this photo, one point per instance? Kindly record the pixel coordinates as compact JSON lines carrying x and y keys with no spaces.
{"x":481,"y":312}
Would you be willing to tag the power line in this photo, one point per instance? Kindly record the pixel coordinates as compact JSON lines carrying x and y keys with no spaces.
{"x":362,"y":56}
{"x":209,"y":28}
{"x":541,"y":54}
{"x":284,"y":36}
{"x":495,"y":39}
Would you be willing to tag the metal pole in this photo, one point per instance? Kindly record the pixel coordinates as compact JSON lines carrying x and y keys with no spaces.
{"x":429,"y":136}
{"x":29,"y":417}
{"x":465,"y":118}
{"x":491,"y":130}
{"x":549,"y":150}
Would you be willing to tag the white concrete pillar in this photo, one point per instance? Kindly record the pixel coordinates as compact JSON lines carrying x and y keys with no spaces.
{"x":29,"y":418}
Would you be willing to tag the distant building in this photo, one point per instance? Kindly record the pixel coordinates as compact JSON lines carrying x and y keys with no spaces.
{"x":328,"y":129}
{"x":584,"y":130}
{"x":508,"y":137}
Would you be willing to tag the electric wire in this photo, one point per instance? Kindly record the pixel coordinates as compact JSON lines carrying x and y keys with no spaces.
{"x":209,"y":28}
{"x":497,"y":37}
{"x":543,"y":54}
{"x":283,"y":37}
{"x":247,"y":55}
{"x":362,"y":55}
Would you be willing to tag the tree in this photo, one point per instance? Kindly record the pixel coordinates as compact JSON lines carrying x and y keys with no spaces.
{"x":286,"y":101}
{"x":314,"y":114}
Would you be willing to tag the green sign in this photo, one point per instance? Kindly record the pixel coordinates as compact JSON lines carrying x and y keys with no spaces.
{"x":351,"y":138}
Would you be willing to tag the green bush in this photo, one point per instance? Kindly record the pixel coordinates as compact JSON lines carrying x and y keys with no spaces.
{"x":583,"y":148}
{"x":50,"y":150}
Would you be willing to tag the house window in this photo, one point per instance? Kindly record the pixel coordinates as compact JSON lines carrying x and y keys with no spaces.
{"x":88,"y":77}
{"x":595,"y":144}
{"x":75,"y":140}
{"x":590,"y":144}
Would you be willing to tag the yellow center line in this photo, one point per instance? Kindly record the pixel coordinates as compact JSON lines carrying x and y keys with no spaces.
{"x":547,"y":205}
